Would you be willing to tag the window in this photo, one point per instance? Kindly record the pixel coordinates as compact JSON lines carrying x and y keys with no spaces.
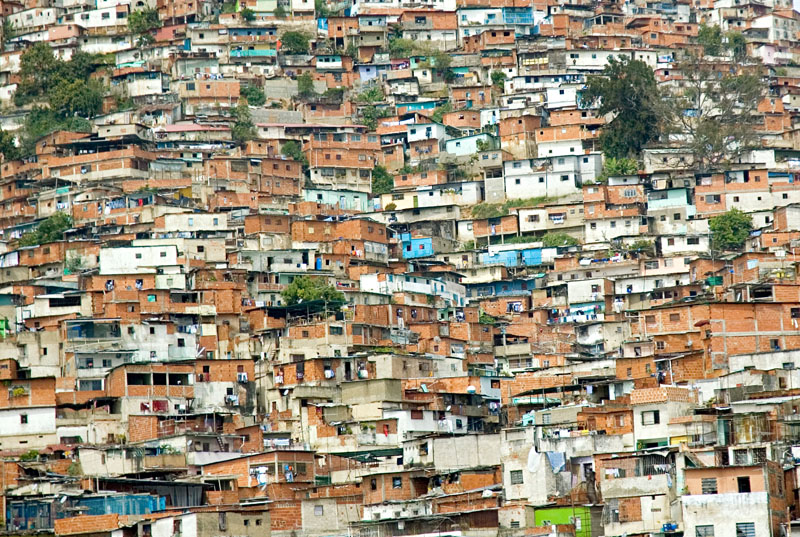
{"x":673,"y":317}
{"x":704,"y":531}
{"x":319,"y":510}
{"x":651,"y":417}
{"x":516,"y":477}
{"x":397,"y":482}
{"x":23,"y":418}
{"x":660,"y":345}
{"x":744,"y":484}
{"x":708,"y":485}
{"x":745,"y":529}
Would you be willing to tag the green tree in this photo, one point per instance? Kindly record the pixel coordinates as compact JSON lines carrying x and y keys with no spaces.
{"x":499,"y":79}
{"x":8,"y":146}
{"x":737,"y":45}
{"x":553,"y":240}
{"x":321,"y":9}
{"x":247,"y":14}
{"x":292,"y":150}
{"x":382,"y":181}
{"x":372,"y":94}
{"x":280,"y":12}
{"x":711,"y":111}
{"x":295,"y":42}
{"x":78,"y":97}
{"x":305,"y":289}
{"x":7,"y":32}
{"x":627,"y":90}
{"x":440,"y":111}
{"x":41,"y":73}
{"x":42,"y":121}
{"x":38,"y":69}
{"x":79,"y":67}
{"x":305,"y":85}
{"x":50,"y":230}
{"x":710,"y":38}
{"x":614,"y":167}
{"x":141,"y":23}
{"x":401,"y":48}
{"x":643,"y":246}
{"x":371,"y":114}
{"x":730,"y":230}
{"x":243,"y":128}
{"x":254,"y":95}
{"x":442,"y":63}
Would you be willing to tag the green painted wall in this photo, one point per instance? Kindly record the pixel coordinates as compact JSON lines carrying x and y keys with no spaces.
{"x":562,"y":515}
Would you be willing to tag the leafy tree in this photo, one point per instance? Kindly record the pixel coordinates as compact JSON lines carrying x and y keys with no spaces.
{"x":280,"y":12}
{"x":292,"y":150}
{"x":321,"y":9}
{"x":401,"y":48}
{"x":442,"y":65}
{"x":614,"y":167}
{"x":499,"y":79}
{"x":382,"y":181}
{"x":440,"y":111}
{"x":736,"y":44}
{"x":41,"y":122}
{"x":247,"y":14}
{"x":41,"y":72}
{"x":7,"y":32}
{"x":79,"y":67}
{"x":8,"y":146}
{"x":38,"y":68}
{"x":643,"y":246}
{"x":254,"y":95}
{"x":710,"y":38}
{"x":141,"y":23}
{"x":730,"y":230}
{"x":711,"y":112}
{"x":336,"y":94}
{"x":305,"y":85}
{"x":372,"y":94}
{"x":371,"y":114}
{"x":243,"y":129}
{"x":50,"y":230}
{"x":552,"y":240}
{"x":305,"y":289}
{"x":295,"y":42}
{"x":627,"y":90}
{"x":77,"y":98}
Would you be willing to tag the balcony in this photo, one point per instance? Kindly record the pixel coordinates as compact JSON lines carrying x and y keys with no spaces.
{"x":255,"y":53}
{"x":515,"y":349}
{"x":176,"y":460}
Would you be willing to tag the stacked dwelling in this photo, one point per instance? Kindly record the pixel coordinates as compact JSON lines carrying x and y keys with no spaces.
{"x":364,"y":269}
